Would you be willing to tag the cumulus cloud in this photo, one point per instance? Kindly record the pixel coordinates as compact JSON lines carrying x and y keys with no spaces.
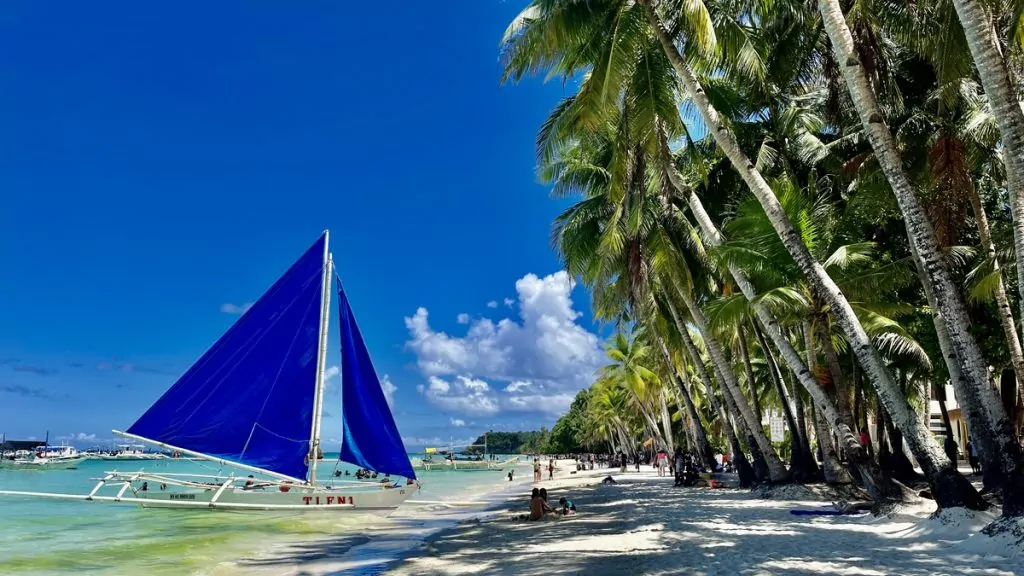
{"x":462,"y":318}
{"x":389,"y":390}
{"x":509,"y":302}
{"x":236,"y":309}
{"x":457,"y":422}
{"x":537,"y":362}
{"x":463,"y":395}
{"x":492,"y":304}
{"x":81,"y":437}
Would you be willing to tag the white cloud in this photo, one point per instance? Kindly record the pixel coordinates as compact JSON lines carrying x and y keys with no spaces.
{"x":492,"y":304}
{"x":389,"y":390}
{"x":462,"y":318}
{"x":81,"y":437}
{"x":518,"y":386}
{"x":538,"y":362}
{"x":509,"y":302}
{"x":463,"y":395}
{"x":552,"y":405}
{"x":457,"y":422}
{"x":229,"y":308}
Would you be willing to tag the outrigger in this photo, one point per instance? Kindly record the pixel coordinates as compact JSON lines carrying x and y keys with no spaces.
{"x":254,"y":403}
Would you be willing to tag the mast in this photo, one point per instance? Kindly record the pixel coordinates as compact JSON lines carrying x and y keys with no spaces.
{"x":321,"y":360}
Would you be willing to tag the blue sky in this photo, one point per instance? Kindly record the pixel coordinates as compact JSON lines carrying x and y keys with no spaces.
{"x":161,"y":165}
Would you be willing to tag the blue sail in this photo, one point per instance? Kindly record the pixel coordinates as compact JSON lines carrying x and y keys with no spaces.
{"x":249,"y":398}
{"x":370,"y":437}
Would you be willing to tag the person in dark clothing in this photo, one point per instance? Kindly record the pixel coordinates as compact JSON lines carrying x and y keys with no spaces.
{"x":972,"y":458}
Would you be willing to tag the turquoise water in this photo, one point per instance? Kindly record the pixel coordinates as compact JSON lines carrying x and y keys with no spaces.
{"x":40,"y":536}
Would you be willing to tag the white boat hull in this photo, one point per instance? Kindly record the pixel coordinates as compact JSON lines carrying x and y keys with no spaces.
{"x":380,"y":502}
{"x":43,"y":464}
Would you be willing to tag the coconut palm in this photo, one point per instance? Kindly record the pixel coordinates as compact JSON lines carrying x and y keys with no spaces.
{"x":605,"y":38}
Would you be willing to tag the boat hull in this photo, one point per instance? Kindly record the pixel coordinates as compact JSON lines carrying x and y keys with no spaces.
{"x":379,"y":502}
{"x":43,"y":464}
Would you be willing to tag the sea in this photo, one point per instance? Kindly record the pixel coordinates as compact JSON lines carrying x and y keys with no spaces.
{"x":42,"y":536}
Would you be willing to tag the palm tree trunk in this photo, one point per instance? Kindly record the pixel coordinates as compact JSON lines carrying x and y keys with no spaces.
{"x":1005,"y":312}
{"x":702,"y":446}
{"x":731,"y":391}
{"x":691,"y":350}
{"x":829,"y":460}
{"x":948,"y":486}
{"x":830,"y":466}
{"x":749,"y":372}
{"x":842,"y":392}
{"x":666,"y":422}
{"x":980,"y":403}
{"x":801,"y":457}
{"x":1002,"y":97}
{"x":810,"y":463}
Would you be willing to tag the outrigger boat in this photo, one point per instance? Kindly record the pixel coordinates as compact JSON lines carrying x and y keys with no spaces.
{"x":465,"y":462}
{"x":254,"y":402}
{"x":31,"y":455}
{"x":130,"y":452}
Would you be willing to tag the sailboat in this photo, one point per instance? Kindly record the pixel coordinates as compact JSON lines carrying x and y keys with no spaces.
{"x":254,"y":403}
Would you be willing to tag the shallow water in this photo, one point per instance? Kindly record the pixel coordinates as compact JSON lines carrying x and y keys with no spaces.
{"x":41,"y":536}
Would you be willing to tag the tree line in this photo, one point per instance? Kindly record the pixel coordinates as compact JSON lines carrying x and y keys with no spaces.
{"x":808,"y":207}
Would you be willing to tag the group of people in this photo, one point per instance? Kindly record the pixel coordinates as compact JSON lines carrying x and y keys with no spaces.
{"x":538,"y":474}
{"x":539,"y":507}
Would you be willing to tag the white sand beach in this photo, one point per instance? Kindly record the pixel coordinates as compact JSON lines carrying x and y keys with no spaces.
{"x":642,"y":525}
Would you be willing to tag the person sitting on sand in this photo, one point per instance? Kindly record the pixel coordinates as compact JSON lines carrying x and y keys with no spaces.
{"x":608,"y":480}
{"x":568,"y":506}
{"x":538,"y":506}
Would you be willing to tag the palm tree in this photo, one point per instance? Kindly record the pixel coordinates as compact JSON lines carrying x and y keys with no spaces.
{"x":629,"y":371}
{"x":950,"y":488}
{"x":992,"y":428}
{"x":605,"y":38}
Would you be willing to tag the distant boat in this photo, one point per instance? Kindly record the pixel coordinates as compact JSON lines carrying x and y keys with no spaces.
{"x":254,"y":403}
{"x":130,"y":452}
{"x":31,"y":455}
{"x":466,"y":462}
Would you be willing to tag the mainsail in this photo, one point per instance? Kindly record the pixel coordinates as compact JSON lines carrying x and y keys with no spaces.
{"x":370,"y":437}
{"x":250,"y":398}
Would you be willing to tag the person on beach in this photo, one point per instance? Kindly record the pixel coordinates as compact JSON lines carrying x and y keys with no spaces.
{"x":551,"y":469}
{"x":536,"y":470}
{"x":538,"y":506}
{"x":972,"y":458}
{"x":568,"y":506}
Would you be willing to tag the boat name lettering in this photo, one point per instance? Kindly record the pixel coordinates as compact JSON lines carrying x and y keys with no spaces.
{"x":183,"y":496}
{"x":330,"y":500}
